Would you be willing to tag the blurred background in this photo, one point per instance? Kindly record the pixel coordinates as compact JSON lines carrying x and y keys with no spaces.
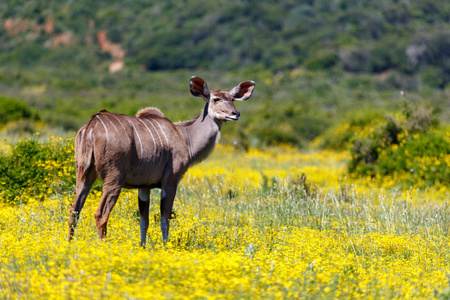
{"x":318,"y":65}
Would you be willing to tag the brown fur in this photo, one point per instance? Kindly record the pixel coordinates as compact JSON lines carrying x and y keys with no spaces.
{"x":147,"y":151}
{"x":148,"y":112}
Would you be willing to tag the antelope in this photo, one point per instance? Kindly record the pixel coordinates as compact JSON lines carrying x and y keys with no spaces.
{"x":148,"y":151}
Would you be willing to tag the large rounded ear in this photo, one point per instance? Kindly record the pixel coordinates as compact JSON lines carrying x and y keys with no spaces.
{"x":243,"y":90}
{"x":199,"y":88}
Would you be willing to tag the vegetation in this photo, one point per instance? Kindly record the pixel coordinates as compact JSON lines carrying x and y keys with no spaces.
{"x":13,"y":110}
{"x":361,"y":87}
{"x":247,"y":225}
{"x":407,"y":148}
{"x":33,"y":168}
{"x":313,"y":63}
{"x":362,"y":36}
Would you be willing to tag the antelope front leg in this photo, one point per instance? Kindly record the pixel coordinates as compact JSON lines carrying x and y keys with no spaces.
{"x":167,"y":197}
{"x":144,"y":204}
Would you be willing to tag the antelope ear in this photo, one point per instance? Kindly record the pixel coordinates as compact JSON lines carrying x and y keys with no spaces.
{"x":243,"y":90}
{"x":199,"y":88}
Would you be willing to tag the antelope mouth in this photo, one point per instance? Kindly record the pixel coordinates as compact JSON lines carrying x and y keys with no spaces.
{"x":232,"y":118}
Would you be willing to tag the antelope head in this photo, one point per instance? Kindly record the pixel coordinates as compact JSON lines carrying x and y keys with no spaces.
{"x":220,"y":103}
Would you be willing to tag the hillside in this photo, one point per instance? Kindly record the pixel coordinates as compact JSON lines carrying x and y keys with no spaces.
{"x":359,"y":36}
{"x":313,"y":62}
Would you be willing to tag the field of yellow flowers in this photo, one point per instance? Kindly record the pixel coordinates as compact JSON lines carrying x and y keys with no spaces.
{"x":259,"y":224}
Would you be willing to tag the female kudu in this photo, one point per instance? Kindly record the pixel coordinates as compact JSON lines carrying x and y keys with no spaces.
{"x":148,"y":151}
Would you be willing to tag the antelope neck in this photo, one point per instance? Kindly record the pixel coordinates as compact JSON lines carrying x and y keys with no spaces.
{"x":201,"y":135}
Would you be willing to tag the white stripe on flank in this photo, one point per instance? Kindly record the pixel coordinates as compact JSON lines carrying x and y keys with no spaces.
{"x":154,"y":142}
{"x":167,"y":140}
{"x":88,"y":164}
{"x":137,"y":133}
{"x":112,"y":124}
{"x":160,"y":140}
{"x":128,"y":138}
{"x":107,"y":137}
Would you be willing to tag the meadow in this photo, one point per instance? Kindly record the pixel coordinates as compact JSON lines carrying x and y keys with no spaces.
{"x":270,"y":224}
{"x":364,"y":216}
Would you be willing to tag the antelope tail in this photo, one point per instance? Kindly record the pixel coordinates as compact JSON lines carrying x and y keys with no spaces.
{"x":84,"y":149}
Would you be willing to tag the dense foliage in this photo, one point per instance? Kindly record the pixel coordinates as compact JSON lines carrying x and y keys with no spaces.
{"x":35,"y":168}
{"x":13,"y":110}
{"x":356,"y":36}
{"x":421,"y":161}
{"x":313,"y":62}
{"x":408,"y":148}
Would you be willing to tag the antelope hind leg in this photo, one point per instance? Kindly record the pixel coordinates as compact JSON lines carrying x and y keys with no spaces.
{"x":84,"y":185}
{"x":109,"y":199}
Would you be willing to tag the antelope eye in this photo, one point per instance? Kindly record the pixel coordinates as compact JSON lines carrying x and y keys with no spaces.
{"x":216,"y":99}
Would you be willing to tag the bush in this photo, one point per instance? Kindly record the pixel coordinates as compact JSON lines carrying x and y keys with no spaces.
{"x":35,"y":170}
{"x":13,"y":110}
{"x":424,"y":158}
{"x":406,"y":148}
{"x":355,"y":60}
{"x":434,"y":77}
{"x":419,"y":118}
{"x":322,"y":61}
{"x":366,"y":150}
{"x":342,"y":135}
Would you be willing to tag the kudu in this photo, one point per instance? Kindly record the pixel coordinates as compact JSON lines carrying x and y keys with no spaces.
{"x":148,"y":151}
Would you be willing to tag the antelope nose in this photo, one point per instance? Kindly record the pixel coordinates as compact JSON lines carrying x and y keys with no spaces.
{"x":237,"y":114}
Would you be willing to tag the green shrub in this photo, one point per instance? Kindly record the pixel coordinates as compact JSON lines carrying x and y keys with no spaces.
{"x":36,"y":170}
{"x":424,"y":158}
{"x":366,"y":150}
{"x":434,"y":77}
{"x":13,"y":110}
{"x":342,"y":135}
{"x":322,"y":61}
{"x":419,"y":118}
{"x":406,"y":148}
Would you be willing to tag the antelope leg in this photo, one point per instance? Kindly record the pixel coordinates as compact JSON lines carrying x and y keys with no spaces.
{"x":110,"y":195}
{"x":144,"y":204}
{"x":83,"y":186}
{"x":167,"y":197}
